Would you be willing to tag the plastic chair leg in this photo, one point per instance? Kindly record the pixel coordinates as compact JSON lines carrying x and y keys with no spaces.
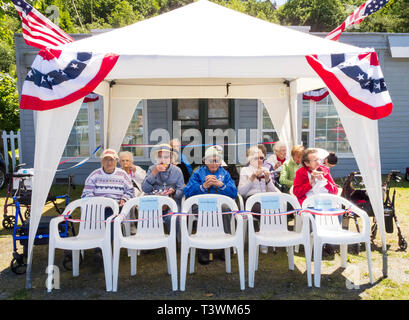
{"x":107,"y":255}
{"x":184,"y":251}
{"x":115,"y":268}
{"x":307,"y":251}
{"x":256,"y":260}
{"x":298,"y":227}
{"x":227,"y":259}
{"x":240,"y":258}
{"x":317,"y":264}
{"x":173,"y":266}
{"x":51,"y":252}
{"x":75,"y":262}
{"x":192,"y":260}
{"x":133,"y":262}
{"x":290,"y":251}
{"x":252,"y":262}
{"x":343,"y":251}
{"x":368,"y":256}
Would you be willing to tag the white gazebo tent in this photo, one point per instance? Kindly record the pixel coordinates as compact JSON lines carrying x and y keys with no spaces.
{"x":203,"y":50}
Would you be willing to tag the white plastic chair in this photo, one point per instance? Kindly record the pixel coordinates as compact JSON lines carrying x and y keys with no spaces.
{"x":274,"y":231}
{"x":328,"y":229}
{"x":210,"y":235}
{"x":149,"y":234}
{"x":93,"y":233}
{"x":298,"y":220}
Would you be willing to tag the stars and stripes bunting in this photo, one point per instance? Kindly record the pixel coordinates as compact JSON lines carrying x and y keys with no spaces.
{"x":38,"y":31}
{"x":356,"y":17}
{"x":316,"y":95}
{"x":356,"y":80}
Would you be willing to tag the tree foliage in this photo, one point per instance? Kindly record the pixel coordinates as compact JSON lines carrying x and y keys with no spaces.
{"x":9,"y":109}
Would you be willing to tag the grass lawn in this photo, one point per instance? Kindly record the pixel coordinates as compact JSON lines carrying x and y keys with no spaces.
{"x":273,"y":280}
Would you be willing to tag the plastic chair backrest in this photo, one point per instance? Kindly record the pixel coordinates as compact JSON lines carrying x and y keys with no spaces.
{"x":92,"y":213}
{"x":325,"y":203}
{"x":272,"y":203}
{"x":150,"y":212}
{"x":209,"y":210}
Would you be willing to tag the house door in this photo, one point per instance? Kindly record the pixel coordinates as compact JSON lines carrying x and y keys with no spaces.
{"x":210,"y":117}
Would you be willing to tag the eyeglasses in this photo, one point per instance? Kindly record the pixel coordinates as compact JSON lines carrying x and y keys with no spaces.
{"x":260,"y":158}
{"x":212,"y":161}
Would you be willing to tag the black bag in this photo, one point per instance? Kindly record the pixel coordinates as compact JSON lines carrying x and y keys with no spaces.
{"x":388,"y":213}
{"x":407,"y":174}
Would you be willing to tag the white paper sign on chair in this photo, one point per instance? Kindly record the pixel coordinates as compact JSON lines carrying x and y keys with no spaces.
{"x":270,"y":203}
{"x":207,"y":205}
{"x":148,"y":204}
{"x":323,"y":204}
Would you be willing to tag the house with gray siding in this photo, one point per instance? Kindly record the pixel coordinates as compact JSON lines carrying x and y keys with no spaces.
{"x":318,"y":122}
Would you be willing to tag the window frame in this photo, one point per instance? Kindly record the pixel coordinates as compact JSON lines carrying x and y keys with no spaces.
{"x":312,"y":127}
{"x":92,"y":144}
{"x":310,"y":130}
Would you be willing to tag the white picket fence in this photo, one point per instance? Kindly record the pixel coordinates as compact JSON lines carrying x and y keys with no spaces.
{"x":12,"y":136}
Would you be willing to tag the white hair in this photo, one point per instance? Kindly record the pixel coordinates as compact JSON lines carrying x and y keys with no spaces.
{"x":278,"y":145}
{"x":126,"y":153}
{"x":252,"y":151}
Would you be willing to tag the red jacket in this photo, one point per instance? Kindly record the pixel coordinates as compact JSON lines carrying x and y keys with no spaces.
{"x":302,"y":183}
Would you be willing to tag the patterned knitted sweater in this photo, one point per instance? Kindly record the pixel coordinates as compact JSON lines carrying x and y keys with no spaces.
{"x":116,"y":185}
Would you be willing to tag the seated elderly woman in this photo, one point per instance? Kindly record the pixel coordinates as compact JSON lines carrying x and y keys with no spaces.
{"x":255,"y":178}
{"x":278,"y":158}
{"x":136,"y":173}
{"x":291,"y":166}
{"x":163,"y":177}
{"x":312,"y":178}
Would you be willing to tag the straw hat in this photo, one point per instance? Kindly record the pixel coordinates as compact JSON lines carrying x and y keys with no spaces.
{"x":110,"y":153}
{"x":164,"y":147}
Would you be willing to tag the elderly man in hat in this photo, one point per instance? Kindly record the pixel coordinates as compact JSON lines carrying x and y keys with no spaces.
{"x":163,"y":177}
{"x":109,"y":181}
{"x":214,"y":179}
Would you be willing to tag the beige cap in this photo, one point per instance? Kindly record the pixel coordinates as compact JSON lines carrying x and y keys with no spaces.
{"x":212,"y":151}
{"x":109,"y":153}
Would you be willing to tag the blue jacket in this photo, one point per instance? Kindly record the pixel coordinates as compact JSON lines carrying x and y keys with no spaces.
{"x":195,"y":184}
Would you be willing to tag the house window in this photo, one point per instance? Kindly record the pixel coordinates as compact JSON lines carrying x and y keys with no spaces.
{"x":268,"y":132}
{"x":86,"y":133}
{"x":135,"y":136}
{"x":322,"y":128}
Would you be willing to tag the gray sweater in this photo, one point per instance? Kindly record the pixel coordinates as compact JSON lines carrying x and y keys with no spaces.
{"x":172,"y":177}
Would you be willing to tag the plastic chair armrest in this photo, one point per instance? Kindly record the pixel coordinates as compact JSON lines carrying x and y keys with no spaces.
{"x":54,"y":225}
